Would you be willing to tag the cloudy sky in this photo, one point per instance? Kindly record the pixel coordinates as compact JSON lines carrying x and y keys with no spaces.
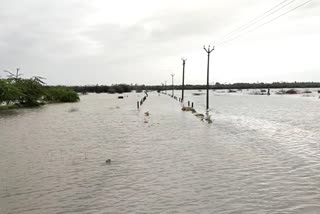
{"x":77,"y":42}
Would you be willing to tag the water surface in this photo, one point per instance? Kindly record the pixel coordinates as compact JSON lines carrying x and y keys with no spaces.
{"x":261,"y":154}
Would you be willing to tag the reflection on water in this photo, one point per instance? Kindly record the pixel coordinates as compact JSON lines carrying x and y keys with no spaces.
{"x":260,"y":155}
{"x":8,"y":113}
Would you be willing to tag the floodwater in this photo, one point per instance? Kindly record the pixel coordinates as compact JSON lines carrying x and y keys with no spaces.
{"x":260,"y":155}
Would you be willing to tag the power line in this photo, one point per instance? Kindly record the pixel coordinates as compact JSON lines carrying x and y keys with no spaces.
{"x":261,"y":25}
{"x":255,"y":20}
{"x":271,"y":20}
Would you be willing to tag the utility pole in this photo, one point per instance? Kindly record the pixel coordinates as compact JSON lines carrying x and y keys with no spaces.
{"x":172,"y":76}
{"x":208,"y":52}
{"x":183,"y":66}
{"x":165,"y":87}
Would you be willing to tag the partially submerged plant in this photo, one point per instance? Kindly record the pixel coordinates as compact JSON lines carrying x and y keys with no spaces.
{"x":292,"y":91}
{"x":61,"y":94}
{"x":199,"y":115}
{"x":31,"y":92}
{"x":307,"y":91}
{"x":184,"y":108}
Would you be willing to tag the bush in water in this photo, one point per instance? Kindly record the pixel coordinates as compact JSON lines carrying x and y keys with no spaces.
{"x":8,"y":92}
{"x":31,"y":92}
{"x":291,"y":91}
{"x":61,"y":94}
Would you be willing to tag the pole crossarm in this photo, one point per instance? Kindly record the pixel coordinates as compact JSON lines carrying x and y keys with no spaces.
{"x":208,"y":50}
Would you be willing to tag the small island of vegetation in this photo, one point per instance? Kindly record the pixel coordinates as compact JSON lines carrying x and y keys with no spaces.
{"x":18,"y":92}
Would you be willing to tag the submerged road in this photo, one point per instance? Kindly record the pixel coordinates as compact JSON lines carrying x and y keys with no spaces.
{"x":249,"y":160}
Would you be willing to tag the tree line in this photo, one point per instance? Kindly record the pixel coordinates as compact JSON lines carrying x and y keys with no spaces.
{"x":117,"y":88}
{"x":259,"y":85}
{"x":126,"y":88}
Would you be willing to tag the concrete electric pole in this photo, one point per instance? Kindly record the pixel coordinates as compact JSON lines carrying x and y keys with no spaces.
{"x":208,"y":52}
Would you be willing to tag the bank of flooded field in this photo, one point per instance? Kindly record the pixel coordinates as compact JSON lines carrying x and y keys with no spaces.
{"x":261,"y":154}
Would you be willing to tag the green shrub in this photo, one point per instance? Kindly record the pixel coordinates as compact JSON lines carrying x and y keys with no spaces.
{"x":32,"y":91}
{"x":292,"y":91}
{"x":9,"y":92}
{"x":61,"y":94}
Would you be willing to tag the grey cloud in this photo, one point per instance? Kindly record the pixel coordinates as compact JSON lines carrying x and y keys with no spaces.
{"x":39,"y":23}
{"x":174,"y":26}
{"x":54,"y":37}
{"x":156,"y":35}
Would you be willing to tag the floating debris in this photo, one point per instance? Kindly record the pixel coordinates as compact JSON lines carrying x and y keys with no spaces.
{"x":197,"y":94}
{"x":199,"y":115}
{"x":232,"y":91}
{"x":108,"y":161}
{"x":292,"y":91}
{"x":188,"y":109}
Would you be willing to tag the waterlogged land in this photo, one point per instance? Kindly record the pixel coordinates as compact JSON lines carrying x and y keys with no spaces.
{"x":261,"y":154}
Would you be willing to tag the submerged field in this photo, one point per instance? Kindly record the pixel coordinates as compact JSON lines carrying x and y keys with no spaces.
{"x":261,"y":154}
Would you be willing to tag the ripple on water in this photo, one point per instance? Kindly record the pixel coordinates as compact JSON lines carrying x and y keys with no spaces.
{"x":259,"y":156}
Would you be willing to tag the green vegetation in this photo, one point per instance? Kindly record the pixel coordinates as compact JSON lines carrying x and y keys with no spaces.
{"x":60,"y":95}
{"x":20,"y":92}
{"x":232,"y":87}
{"x":118,"y":88}
{"x":31,"y":91}
{"x":8,"y":92}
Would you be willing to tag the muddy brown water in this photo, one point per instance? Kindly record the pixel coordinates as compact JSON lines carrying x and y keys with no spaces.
{"x":261,"y":154}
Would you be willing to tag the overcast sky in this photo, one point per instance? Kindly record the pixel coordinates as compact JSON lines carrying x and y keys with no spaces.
{"x":78,"y":42}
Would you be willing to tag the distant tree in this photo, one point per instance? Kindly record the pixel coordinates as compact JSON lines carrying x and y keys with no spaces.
{"x":112,"y":90}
